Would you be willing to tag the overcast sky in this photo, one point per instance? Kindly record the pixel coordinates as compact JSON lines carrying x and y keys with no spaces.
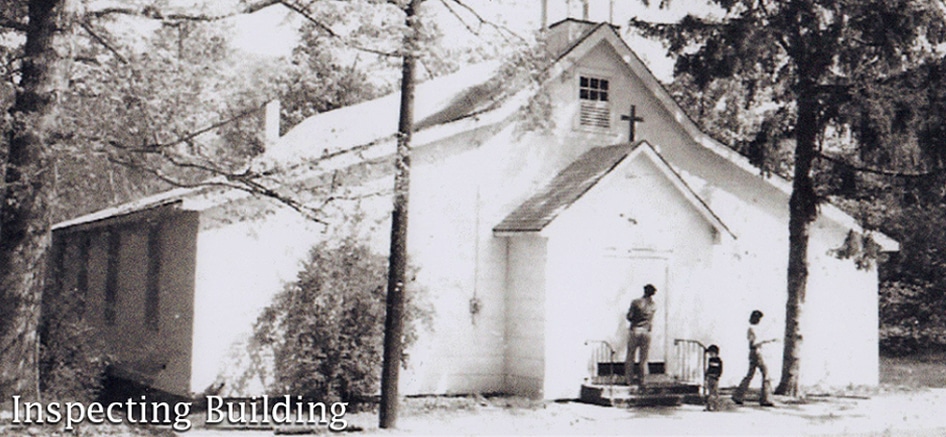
{"x":272,"y":30}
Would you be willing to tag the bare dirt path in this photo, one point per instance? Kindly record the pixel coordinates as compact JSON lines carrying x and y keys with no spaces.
{"x":908,"y":413}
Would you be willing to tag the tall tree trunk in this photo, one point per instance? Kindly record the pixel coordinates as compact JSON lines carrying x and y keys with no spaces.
{"x":802,"y":212}
{"x":24,"y":210}
{"x":397,"y":260}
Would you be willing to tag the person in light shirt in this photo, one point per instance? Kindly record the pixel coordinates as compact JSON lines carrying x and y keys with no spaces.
{"x":641,"y":316}
{"x":756,"y":361}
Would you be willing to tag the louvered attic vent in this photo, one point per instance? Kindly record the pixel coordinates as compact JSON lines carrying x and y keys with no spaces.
{"x":595,"y":107}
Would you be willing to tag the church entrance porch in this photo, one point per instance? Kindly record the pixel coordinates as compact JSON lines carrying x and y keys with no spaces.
{"x":617,"y":279}
{"x":606,"y":383}
{"x":675,"y":366}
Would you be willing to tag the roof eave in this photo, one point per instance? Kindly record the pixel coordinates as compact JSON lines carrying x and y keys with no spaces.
{"x":509,"y":233}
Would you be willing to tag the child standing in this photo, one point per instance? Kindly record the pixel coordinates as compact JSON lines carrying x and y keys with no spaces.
{"x":714,"y":369}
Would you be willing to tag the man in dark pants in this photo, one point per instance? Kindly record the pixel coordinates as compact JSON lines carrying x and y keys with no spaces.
{"x":641,"y":316}
{"x":755,"y":362}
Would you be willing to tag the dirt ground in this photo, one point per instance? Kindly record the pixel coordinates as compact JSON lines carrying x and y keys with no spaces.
{"x":891,"y":412}
{"x":911,"y":401}
{"x":914,"y":412}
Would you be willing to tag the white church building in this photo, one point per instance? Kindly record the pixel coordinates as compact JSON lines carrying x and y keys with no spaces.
{"x":530,"y":242}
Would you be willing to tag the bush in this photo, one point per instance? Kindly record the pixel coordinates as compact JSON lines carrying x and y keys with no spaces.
{"x":72,"y":360}
{"x":912,"y":318}
{"x":326,"y":329}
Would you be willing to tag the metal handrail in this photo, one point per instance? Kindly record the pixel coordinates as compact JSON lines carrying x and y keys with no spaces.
{"x":684,"y":360}
{"x":595,"y":356}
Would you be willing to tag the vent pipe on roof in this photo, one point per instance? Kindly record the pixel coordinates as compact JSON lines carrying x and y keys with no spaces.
{"x":545,"y":14}
{"x":584,"y":10}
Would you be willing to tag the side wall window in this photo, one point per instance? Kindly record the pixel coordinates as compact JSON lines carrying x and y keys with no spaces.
{"x":82,"y":275}
{"x":111,"y":275}
{"x":593,"y":92}
{"x":153,"y":290}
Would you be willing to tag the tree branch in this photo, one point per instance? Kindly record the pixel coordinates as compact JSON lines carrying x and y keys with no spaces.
{"x":880,"y":171}
{"x":304,"y":13}
{"x":148,"y":148}
{"x":153,"y":13}
{"x":101,"y":40}
{"x":244,"y":185}
{"x":156,"y":14}
{"x":502,"y":30}
{"x":11,"y":24}
{"x":462,"y":21}
{"x":180,"y":162}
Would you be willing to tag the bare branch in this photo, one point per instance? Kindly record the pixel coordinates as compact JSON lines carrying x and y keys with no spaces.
{"x":504,"y":31}
{"x":156,"y":14}
{"x":304,"y":13}
{"x":185,"y":164}
{"x":880,"y":171}
{"x":382,"y":53}
{"x":101,"y":40}
{"x":459,"y":18}
{"x":11,"y":24}
{"x":244,"y":185}
{"x":147,"y":148}
{"x":153,"y":13}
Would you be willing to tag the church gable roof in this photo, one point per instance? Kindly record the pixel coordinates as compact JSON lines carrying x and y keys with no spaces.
{"x":567,"y":187}
{"x":582,"y":175}
{"x":438,"y":101}
{"x":607,"y":33}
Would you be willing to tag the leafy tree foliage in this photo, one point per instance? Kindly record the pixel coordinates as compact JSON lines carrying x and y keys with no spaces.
{"x":315,"y":80}
{"x":72,"y":360}
{"x":892,"y":181}
{"x":895,"y":182}
{"x":807,"y":58}
{"x":326,"y":328}
{"x":912,"y":299}
{"x":135,"y":112}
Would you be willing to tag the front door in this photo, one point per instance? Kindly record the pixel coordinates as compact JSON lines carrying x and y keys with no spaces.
{"x":623,"y":278}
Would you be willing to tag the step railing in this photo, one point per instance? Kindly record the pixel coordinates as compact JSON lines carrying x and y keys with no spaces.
{"x":606,"y":369}
{"x":690,"y":357}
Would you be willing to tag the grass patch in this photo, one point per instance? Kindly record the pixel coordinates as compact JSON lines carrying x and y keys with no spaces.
{"x":914,"y":371}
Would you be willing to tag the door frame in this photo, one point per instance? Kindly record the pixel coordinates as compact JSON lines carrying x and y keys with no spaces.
{"x":660,"y":255}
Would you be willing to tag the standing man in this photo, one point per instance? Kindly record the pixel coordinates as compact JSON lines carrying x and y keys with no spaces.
{"x":641,"y":316}
{"x":755,"y":362}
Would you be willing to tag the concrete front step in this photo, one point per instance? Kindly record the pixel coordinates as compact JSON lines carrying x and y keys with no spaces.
{"x":653,"y":394}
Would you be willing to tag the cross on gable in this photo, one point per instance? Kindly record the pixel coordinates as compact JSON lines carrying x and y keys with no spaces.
{"x":632,"y":121}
